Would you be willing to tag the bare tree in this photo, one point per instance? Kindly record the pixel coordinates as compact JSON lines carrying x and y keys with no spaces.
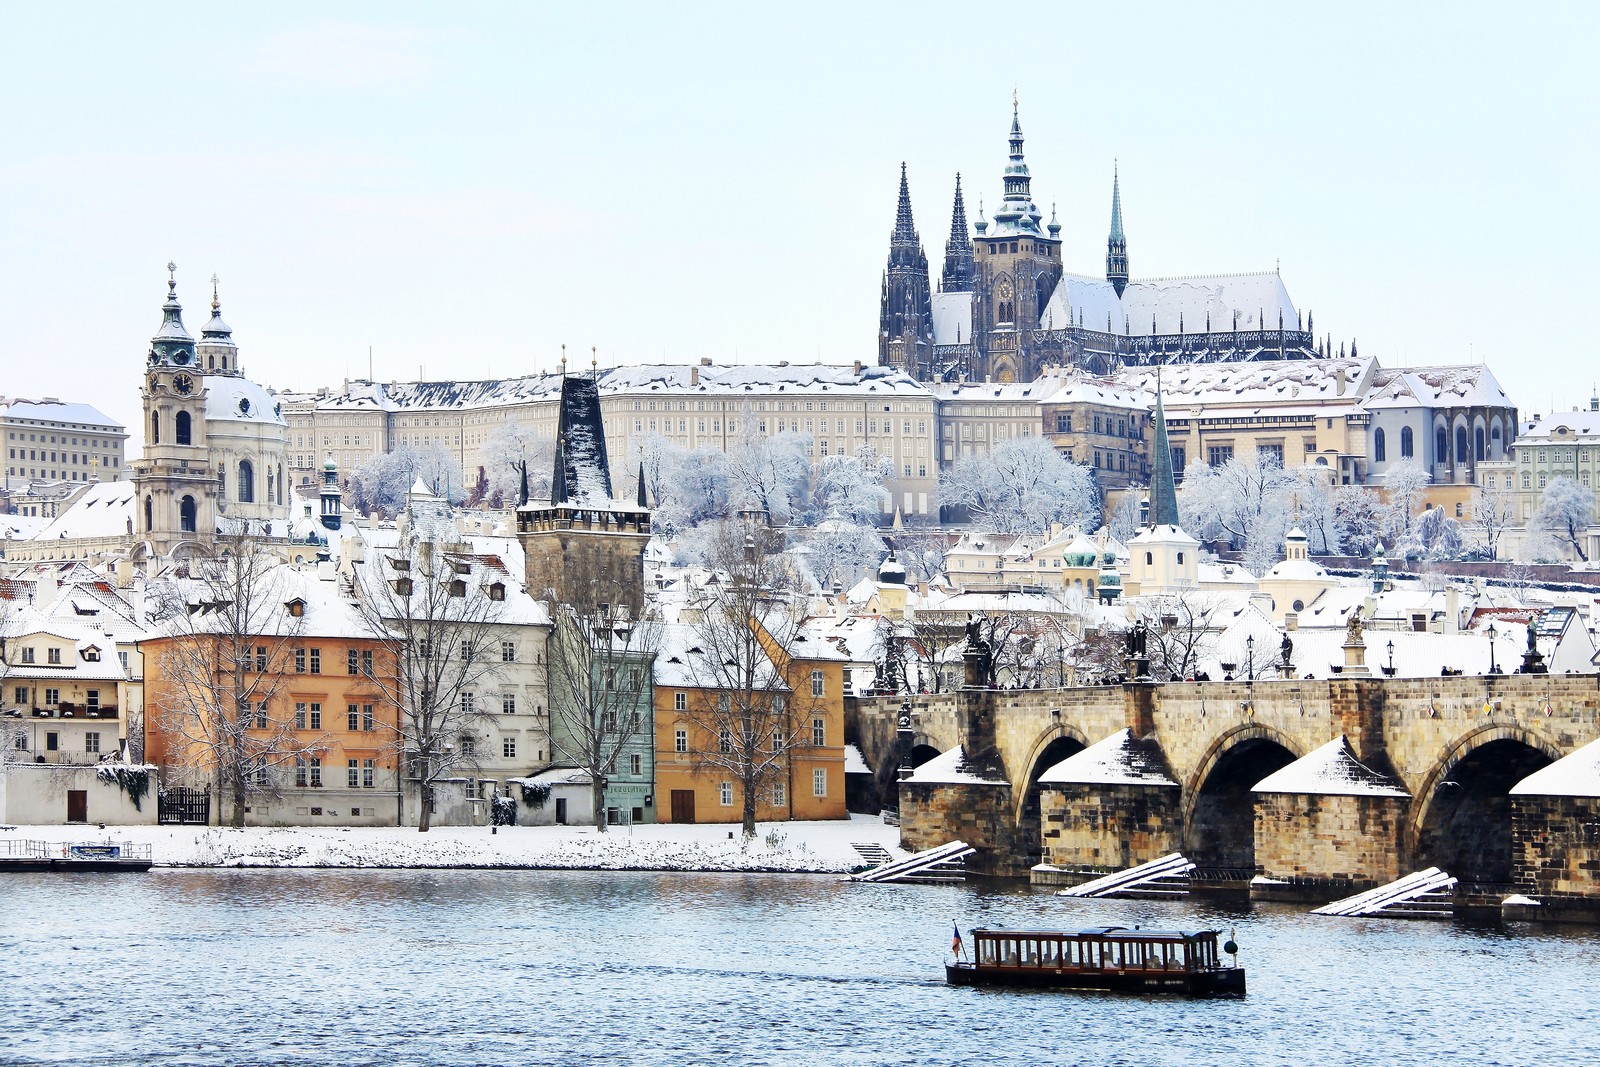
{"x":743,"y":628}
{"x":922,"y":552}
{"x":1493,"y":510}
{"x":229,"y":637}
{"x":1182,"y":629}
{"x":437,"y":611}
{"x":933,"y":635}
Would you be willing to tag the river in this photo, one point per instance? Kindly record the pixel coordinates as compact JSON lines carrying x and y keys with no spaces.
{"x":183,"y":967}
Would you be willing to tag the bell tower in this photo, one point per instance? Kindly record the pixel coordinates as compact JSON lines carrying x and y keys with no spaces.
{"x":177,"y":487}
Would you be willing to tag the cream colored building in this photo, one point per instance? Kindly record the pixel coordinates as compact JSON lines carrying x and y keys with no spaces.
{"x":48,"y":440}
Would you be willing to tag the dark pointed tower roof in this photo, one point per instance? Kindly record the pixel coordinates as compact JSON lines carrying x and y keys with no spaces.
{"x":1163,"y":491}
{"x":1117,"y":242}
{"x":172,"y":343}
{"x":582,"y":472}
{"x":1116,"y":205}
{"x":1017,"y":210}
{"x":904,"y":230}
{"x":958,"y":268}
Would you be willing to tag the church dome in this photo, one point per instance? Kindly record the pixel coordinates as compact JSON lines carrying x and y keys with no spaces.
{"x":241,"y":400}
{"x":891,"y":572}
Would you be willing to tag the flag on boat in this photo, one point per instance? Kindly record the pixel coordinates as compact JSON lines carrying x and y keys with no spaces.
{"x":955,"y":946}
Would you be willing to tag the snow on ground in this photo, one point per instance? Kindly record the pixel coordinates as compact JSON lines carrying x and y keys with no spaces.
{"x":798,"y":847}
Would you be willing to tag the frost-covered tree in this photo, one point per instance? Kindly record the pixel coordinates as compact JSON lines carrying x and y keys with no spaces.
{"x":505,"y":451}
{"x":381,"y":483}
{"x":1022,"y":486}
{"x":1125,"y":518}
{"x":1565,"y":510}
{"x":851,"y":487}
{"x":843,"y":552}
{"x":922,"y":552}
{"x":1434,"y":535}
{"x":1360,"y":515}
{"x":1404,"y":484}
{"x":768,"y":474}
{"x":1312,"y":505}
{"x":1182,"y":630}
{"x":1493,"y":509}
{"x":1243,"y":501}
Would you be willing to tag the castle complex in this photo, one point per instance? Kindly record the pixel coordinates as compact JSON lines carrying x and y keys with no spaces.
{"x":1007,"y":307}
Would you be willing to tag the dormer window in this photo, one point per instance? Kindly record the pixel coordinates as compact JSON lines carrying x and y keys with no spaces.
{"x":53,"y":656}
{"x":497,"y":591}
{"x":400,"y":564}
{"x":402,"y":586}
{"x":91,"y":654}
{"x":458,"y":588}
{"x":297,"y":608}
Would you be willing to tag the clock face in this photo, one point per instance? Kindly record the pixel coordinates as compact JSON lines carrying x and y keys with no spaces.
{"x":1005,"y":290}
{"x":183,"y":383}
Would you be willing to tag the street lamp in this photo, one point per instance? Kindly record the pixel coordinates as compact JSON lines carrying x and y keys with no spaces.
{"x":1391,"y":659}
{"x":1250,"y":657}
{"x":1491,"y":649}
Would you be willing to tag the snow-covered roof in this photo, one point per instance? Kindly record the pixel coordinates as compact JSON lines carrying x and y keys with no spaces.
{"x":683,"y":661}
{"x":106,"y":510}
{"x":1331,"y":770}
{"x":1308,"y":384}
{"x":1120,"y":759}
{"x":951,"y":768}
{"x":1575,"y":775}
{"x":1258,"y":298}
{"x":819,"y":379}
{"x":232,"y":399}
{"x":1011,"y":392}
{"x":952,"y":318}
{"x":850,"y":638}
{"x":57,"y":411}
{"x":556,"y":776}
{"x":1093,"y":301}
{"x":854,"y":762}
{"x":1565,"y":426}
{"x":1471,"y":385}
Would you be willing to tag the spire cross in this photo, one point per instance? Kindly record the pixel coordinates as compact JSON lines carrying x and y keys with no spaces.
{"x":1013,"y":99}
{"x":214,"y":281}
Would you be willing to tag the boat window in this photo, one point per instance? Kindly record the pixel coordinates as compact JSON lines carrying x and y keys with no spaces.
{"x":986,"y":952}
{"x":1051,"y":951}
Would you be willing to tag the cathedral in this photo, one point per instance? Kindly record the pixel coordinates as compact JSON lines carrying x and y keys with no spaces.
{"x":1006,"y":307}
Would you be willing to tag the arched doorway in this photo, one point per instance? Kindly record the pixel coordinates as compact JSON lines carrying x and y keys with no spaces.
{"x":1220,"y":830}
{"x":1028,"y":825}
{"x":1465,"y":825}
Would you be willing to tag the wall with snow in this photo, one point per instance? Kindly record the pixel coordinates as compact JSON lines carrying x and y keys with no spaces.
{"x":33,"y":794}
{"x":1109,"y":827}
{"x":1556,"y":845}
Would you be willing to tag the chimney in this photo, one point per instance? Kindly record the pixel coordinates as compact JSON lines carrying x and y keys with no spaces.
{"x":694,"y":375}
{"x":1291,"y":621}
{"x":858,"y":368}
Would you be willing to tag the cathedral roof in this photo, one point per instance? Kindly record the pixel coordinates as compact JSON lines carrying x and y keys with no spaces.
{"x":952,"y":318}
{"x":1185,"y":303}
{"x":1469,"y":386}
{"x":1094,"y":298}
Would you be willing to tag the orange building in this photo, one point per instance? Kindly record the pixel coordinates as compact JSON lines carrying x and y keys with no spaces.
{"x":317,"y":743}
{"x":804,"y":773}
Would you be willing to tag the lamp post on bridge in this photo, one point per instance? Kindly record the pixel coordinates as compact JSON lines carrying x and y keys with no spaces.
{"x":1492,"y":668}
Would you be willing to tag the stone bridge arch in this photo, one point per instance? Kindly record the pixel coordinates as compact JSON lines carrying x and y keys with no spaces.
{"x":1218,"y":815}
{"x":1466,"y":825}
{"x":1051,"y":746}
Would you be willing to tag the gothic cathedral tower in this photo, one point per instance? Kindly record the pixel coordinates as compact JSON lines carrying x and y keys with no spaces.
{"x":905,"y":317}
{"x":1017,"y":266}
{"x":957,"y":276}
{"x":177,"y":487}
{"x":1116,"y":244}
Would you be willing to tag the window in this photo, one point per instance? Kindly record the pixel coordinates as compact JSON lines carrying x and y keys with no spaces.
{"x":1063,"y":424}
{"x":353,"y":773}
{"x":724,"y":741}
{"x":780,"y":795}
{"x":636,"y":765}
{"x":680,"y":740}
{"x":352,"y":715}
{"x":508,"y":704}
{"x":819,"y":783}
{"x":53,"y":655}
{"x":261,"y":658}
{"x":27,"y":654}
{"x":469,"y":701}
{"x":300,"y":773}
{"x":299,"y":715}
{"x":508,"y":651}
{"x":91,"y":742}
{"x":367,"y":767}
{"x":466,"y":649}
{"x":508,"y":747}
{"x":299,"y":661}
{"x":261,"y":715}
{"x":22,"y":694}
{"x":1405,"y":442}
{"x":1218,"y":455}
{"x":469,"y":745}
{"x":777,"y":740}
{"x":819,"y":735}
{"x":316,"y":661}
{"x":680,"y":701}
{"x":184,"y":434}
{"x":247,"y":482}
{"x":316,"y":773}
{"x":316,"y":716}
{"x":367,"y":722}
{"x":186,"y":515}
{"x":816,"y":683}
{"x":725,"y":794}
{"x":352,"y":661}
{"x":1379,"y":451}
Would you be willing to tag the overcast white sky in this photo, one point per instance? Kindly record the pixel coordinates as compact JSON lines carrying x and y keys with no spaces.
{"x":466,"y":187}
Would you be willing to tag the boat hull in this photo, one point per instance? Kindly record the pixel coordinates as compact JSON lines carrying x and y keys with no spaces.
{"x":54,"y":864}
{"x":1227,"y":981}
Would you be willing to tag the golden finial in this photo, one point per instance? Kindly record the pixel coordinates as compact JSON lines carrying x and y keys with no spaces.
{"x":563,"y":360}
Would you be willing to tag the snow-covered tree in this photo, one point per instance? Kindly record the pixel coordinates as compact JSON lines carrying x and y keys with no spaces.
{"x":1243,"y":501}
{"x":842,"y":551}
{"x":1312,"y":504}
{"x":1404,"y":484}
{"x":1360,"y":515}
{"x":1565,"y":510}
{"x":1493,"y":509}
{"x":381,"y":483}
{"x":851,"y":487}
{"x":505,"y":451}
{"x":921,"y":551}
{"x":1125,"y":518}
{"x":1434,"y":535}
{"x":1022,"y":486}
{"x":768,"y":474}
{"x":1182,"y":630}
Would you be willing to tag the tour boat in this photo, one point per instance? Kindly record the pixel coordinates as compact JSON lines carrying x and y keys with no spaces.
{"x":1106,"y":957}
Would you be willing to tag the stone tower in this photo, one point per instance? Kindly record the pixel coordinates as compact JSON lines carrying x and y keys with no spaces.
{"x":957,"y":277}
{"x":905,"y":317}
{"x":176,"y":484}
{"x":216,"y":353}
{"x":1017,"y":265}
{"x":1117,"y":243}
{"x":584,"y":548}
{"x":331,"y":499}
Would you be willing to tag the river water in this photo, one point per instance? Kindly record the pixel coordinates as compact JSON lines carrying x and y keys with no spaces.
{"x":522,"y":967}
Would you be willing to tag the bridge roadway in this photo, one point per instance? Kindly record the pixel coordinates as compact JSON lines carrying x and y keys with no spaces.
{"x":1456,"y":745}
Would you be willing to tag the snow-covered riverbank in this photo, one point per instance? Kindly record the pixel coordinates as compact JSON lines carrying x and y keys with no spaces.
{"x":800,"y":847}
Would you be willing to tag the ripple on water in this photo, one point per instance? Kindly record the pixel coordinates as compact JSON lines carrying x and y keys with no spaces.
{"x":469,"y":967}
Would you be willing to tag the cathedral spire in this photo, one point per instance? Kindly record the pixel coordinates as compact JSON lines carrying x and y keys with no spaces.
{"x":1163,"y":492}
{"x":958,"y":271}
{"x":1017,"y":210}
{"x":172,"y":342}
{"x":1117,"y":243}
{"x":903,"y":228}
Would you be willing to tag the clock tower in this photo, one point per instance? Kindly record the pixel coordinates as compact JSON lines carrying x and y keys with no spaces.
{"x":177,"y":487}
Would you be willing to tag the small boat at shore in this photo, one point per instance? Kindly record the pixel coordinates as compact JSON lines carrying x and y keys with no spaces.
{"x":28,"y":855}
{"x":1107,"y":957}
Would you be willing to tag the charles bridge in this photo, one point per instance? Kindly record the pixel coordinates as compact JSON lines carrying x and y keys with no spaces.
{"x":1448,"y":749}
